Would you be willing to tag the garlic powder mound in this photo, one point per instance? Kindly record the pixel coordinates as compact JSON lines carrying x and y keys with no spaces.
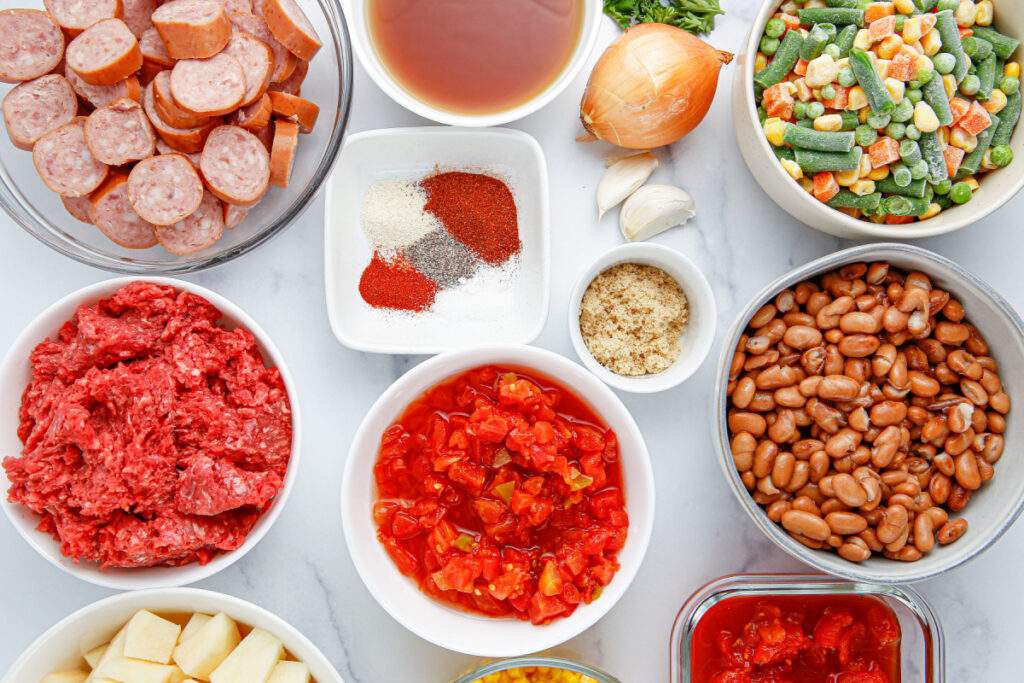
{"x":632,"y":317}
{"x":393,"y":216}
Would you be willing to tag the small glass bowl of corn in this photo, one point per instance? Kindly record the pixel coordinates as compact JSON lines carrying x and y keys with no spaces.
{"x":536,"y":669}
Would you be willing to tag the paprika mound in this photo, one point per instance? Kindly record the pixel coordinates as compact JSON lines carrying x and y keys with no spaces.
{"x":396,"y":284}
{"x":477,"y":210}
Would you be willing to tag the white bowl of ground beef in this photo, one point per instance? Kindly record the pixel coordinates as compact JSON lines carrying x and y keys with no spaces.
{"x":640,"y":354}
{"x":138,"y":531}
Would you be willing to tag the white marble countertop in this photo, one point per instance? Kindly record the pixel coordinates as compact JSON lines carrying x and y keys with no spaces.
{"x":301,"y":569}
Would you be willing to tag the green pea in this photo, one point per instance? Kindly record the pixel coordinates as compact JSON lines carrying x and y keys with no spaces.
{"x":800,"y":110}
{"x":914,"y":96}
{"x":913,"y":133}
{"x":833,"y":51}
{"x":1002,"y":155}
{"x":904,"y":111}
{"x":924,"y":76}
{"x":828,"y":92}
{"x":865,"y":135}
{"x":943,"y":188}
{"x":769,"y":46}
{"x":961,"y":193}
{"x":919,"y":170}
{"x":879,"y":121}
{"x":815,"y":109}
{"x":1010,"y":85}
{"x":970,"y":85}
{"x":896,"y":130}
{"x":847,"y":79}
{"x":943,"y":61}
{"x":775,"y":28}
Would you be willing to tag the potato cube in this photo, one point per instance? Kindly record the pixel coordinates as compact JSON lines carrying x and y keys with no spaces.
{"x":114,"y":650}
{"x":253,"y":659}
{"x":69,"y":676}
{"x":150,"y":637}
{"x":289,"y":672}
{"x":195,"y":622}
{"x":177,"y":675}
{"x":93,"y":656}
{"x":207,"y":647}
{"x":137,"y":671}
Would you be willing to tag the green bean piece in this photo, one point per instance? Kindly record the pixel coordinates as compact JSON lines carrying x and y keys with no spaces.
{"x":900,"y":175}
{"x":919,"y":171}
{"x":852,"y":4}
{"x":819,"y":140}
{"x":972,"y":162}
{"x":840,"y":16}
{"x":813,"y":161}
{"x":887,"y":185}
{"x":805,"y":123}
{"x":935,"y":95}
{"x":925,"y":5}
{"x":1002,"y":44}
{"x":785,"y":59}
{"x":844,"y":39}
{"x":784,"y":152}
{"x":814,"y":43}
{"x":848,"y":200}
{"x":910,"y":152}
{"x":982,"y":50}
{"x":850,"y":120}
{"x":931,"y":150}
{"x":987,"y":76}
{"x":949,"y":32}
{"x":878,"y":97}
{"x":1008,"y":118}
{"x":898,"y":205}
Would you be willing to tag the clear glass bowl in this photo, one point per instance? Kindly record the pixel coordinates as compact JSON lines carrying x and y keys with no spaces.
{"x":922,"y":650}
{"x":329,"y":84}
{"x":537,"y":660}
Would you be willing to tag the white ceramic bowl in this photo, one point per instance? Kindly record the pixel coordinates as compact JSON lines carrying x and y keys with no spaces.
{"x":992,"y":509}
{"x":400,"y":596}
{"x":15,"y":373}
{"x":997,"y":187}
{"x":356,"y":16}
{"x":62,"y":645}
{"x":697,"y":336}
{"x":411,"y":154}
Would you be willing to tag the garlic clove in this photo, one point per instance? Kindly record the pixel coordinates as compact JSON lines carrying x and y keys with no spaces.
{"x":622,"y":179}
{"x":653,"y":209}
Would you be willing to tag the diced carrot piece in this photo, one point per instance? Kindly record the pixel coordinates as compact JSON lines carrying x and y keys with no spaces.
{"x":964,"y":32}
{"x":960,"y":106}
{"x":877,"y":10}
{"x":841,"y":99}
{"x":825,"y":186}
{"x":778,"y":101}
{"x":881,"y":28}
{"x":792,"y":22}
{"x":898,"y":220}
{"x":852,"y":213}
{"x":903,"y":67}
{"x":927,"y":23}
{"x":954,"y":157}
{"x":976,"y":119}
{"x":885,"y":151}
{"x":801,"y":67}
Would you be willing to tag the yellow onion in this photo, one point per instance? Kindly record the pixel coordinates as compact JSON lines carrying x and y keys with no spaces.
{"x":652,"y":86}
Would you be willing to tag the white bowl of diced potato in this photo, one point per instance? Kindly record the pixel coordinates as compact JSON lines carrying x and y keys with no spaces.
{"x":995,"y":189}
{"x":172,"y":635}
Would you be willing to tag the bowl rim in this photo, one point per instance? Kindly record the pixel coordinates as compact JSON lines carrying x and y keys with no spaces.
{"x":700,"y":289}
{"x":966,"y":213}
{"x":374,"y":66}
{"x":544,"y":198}
{"x":895,"y":572}
{"x":281,"y":626}
{"x":32,"y":334}
{"x":359,"y":541}
{"x":13,"y":205}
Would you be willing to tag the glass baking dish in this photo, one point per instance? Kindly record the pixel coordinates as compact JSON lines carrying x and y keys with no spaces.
{"x":537,"y":660}
{"x":922,"y":649}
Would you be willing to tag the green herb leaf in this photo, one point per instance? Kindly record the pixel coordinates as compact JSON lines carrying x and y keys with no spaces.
{"x":695,"y":16}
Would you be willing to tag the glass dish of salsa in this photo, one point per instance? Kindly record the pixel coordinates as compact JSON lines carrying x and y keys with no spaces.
{"x":805,"y":629}
{"x":500,"y":492}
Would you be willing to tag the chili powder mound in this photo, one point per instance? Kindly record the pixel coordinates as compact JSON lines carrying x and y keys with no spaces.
{"x":151,"y":435}
{"x":477,"y":210}
{"x":396,"y":284}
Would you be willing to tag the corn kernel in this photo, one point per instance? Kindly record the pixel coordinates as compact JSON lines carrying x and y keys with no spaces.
{"x":863,"y":115}
{"x":863,"y":187}
{"x":790,"y":87}
{"x":912,"y":30}
{"x":889,"y":46}
{"x":986,"y":12}
{"x":1012,"y":69}
{"x":793,"y":169}
{"x":932,"y":43}
{"x":882,"y":68}
{"x":821,"y":71}
{"x":880,"y":173}
{"x":832,"y":123}
{"x":803,"y":93}
{"x":904,"y":6}
{"x":896,"y":89}
{"x":996,"y":103}
{"x":966,"y":13}
{"x":847,"y":178}
{"x":961,"y":139}
{"x":775,"y":130}
{"x":856,"y":99}
{"x":943,"y":134}
{"x":760,"y":62}
{"x":933,"y":210}
{"x":843,"y":63}
{"x":862,"y":39}
{"x":924,"y":118}
{"x":972,"y":182}
{"x":865,"y":166}
{"x":986,"y":161}
{"x":949,"y":82}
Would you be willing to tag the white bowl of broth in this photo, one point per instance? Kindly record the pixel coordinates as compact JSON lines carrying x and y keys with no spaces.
{"x":473,"y":62}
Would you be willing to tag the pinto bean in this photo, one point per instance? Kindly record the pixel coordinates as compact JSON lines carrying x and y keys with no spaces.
{"x":952,"y":530}
{"x":806,"y":524}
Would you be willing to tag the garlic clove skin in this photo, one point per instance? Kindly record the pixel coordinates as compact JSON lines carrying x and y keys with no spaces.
{"x":653,"y":209}
{"x":622,"y":179}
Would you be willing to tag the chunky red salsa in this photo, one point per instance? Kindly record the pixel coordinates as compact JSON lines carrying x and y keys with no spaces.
{"x":797,"y":639}
{"x":500,"y":492}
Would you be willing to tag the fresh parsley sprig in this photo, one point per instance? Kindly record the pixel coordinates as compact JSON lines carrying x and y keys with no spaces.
{"x":695,"y":16}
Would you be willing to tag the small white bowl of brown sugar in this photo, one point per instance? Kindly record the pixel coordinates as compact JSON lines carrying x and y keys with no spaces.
{"x":642,"y":318}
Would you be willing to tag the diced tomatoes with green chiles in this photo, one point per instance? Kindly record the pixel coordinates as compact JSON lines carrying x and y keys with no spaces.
{"x":501,"y":492}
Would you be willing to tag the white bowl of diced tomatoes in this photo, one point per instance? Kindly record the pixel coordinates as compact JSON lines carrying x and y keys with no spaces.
{"x":996,"y":188}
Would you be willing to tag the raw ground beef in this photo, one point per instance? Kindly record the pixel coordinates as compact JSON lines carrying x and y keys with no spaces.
{"x":152,"y":436}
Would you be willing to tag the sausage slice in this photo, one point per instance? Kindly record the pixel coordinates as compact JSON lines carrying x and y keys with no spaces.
{"x":78,"y":207}
{"x":31,"y":45}
{"x":257,"y":62}
{"x":111,"y":211}
{"x":153,"y":49}
{"x":105,"y":53}
{"x":185,"y":140}
{"x":293,"y":84}
{"x":168,"y":109}
{"x":235,"y":166}
{"x":36,"y":107}
{"x":75,"y":16}
{"x":120,"y":133}
{"x":284,"y":61}
{"x":208,"y":87}
{"x":102,"y":95}
{"x":195,"y":232}
{"x":282,"y":155}
{"x":192,"y":29}
{"x":234,"y":215}
{"x":64,"y":161}
{"x":295,"y":108}
{"x":292,"y":27}
{"x":256,"y":116}
{"x":164,"y":189}
{"x":137,"y":15}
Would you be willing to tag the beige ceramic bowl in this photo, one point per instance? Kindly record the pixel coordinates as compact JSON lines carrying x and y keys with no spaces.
{"x":997,"y":187}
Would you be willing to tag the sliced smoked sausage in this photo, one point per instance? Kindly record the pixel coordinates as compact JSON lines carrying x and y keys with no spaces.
{"x":293,"y":84}
{"x":284,"y":61}
{"x":257,"y":62}
{"x":235,"y":166}
{"x":120,"y":133}
{"x":234,"y":215}
{"x":282,"y":155}
{"x":111,"y":211}
{"x":196,"y":232}
{"x":186,"y":140}
{"x":256,"y":116}
{"x":208,"y":87}
{"x":64,"y":161}
{"x":295,"y":108}
{"x":164,"y":189}
{"x":292,"y":27}
{"x":102,"y":95}
{"x":105,"y":53}
{"x":75,"y":16}
{"x":137,"y":15}
{"x":192,"y":29}
{"x":153,"y":50}
{"x":31,"y":45}
{"x":168,"y":109}
{"x":78,"y":207}
{"x":36,"y":107}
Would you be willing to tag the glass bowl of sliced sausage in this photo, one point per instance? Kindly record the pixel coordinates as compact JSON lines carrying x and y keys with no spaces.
{"x":864,"y":402}
{"x":147,"y":137}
